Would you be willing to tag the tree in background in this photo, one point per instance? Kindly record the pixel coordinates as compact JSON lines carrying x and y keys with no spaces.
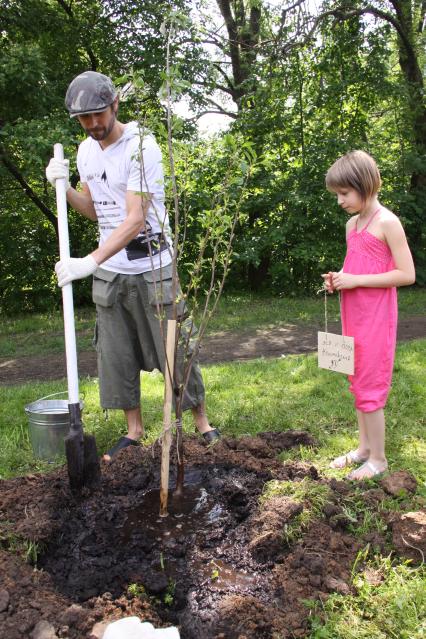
{"x":284,"y":68}
{"x":300,"y":88}
{"x":43,"y":45}
{"x":407,"y":19}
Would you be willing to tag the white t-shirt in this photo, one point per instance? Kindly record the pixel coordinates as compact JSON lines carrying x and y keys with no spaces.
{"x":109,"y":173}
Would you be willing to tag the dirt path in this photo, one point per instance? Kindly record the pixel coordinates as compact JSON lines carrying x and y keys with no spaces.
{"x":220,"y":347}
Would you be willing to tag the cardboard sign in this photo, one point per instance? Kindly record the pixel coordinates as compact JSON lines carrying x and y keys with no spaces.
{"x":336,"y":353}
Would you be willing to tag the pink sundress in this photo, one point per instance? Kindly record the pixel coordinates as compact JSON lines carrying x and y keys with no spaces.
{"x":370,"y":316}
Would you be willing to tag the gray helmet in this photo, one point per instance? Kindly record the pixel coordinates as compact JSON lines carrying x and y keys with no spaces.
{"x":89,"y":92}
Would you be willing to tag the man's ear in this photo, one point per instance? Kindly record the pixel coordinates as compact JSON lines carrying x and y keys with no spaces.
{"x":115,"y":105}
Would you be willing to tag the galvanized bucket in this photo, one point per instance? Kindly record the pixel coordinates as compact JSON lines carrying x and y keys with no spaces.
{"x":49,"y":423}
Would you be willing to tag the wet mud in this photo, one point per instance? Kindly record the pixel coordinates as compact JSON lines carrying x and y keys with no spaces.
{"x":220,"y":566}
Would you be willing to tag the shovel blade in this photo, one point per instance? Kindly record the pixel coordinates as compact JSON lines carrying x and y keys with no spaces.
{"x":82,"y":456}
{"x":91,"y":465}
{"x":74,"y":451}
{"x":82,"y":459}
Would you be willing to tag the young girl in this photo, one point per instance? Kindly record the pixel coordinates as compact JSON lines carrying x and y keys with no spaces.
{"x":378,"y":259}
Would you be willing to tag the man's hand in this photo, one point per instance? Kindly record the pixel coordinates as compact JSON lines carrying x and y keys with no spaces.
{"x":75,"y":268}
{"x":57,"y":169}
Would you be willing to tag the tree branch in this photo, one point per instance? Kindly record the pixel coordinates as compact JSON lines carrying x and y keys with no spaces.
{"x":221,"y":110}
{"x":93,"y":59}
{"x":224,"y":75}
{"x":384,"y":15}
{"x":216,"y":86}
{"x":230,"y":114}
{"x":233,"y":40}
{"x":422,"y":18}
{"x":15,"y":172}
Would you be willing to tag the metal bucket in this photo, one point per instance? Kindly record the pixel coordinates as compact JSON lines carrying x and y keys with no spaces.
{"x":49,"y":423}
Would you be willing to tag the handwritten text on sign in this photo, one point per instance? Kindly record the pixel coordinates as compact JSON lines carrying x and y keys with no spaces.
{"x":336,"y":353}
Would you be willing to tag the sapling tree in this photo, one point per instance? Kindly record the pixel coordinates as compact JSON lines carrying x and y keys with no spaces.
{"x":211,"y":251}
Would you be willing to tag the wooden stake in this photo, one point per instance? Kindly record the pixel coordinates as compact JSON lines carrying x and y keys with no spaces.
{"x":167,"y":416}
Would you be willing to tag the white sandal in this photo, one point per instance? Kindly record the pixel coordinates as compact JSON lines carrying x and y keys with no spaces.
{"x":368,"y":465}
{"x":351,"y":458}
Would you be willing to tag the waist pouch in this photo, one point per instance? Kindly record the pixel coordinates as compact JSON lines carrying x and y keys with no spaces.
{"x":145,"y":245}
{"x":104,"y":287}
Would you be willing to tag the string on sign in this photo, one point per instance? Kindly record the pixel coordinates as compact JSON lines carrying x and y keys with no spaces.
{"x":319,"y":291}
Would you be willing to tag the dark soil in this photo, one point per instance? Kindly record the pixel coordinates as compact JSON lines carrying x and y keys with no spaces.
{"x":220,"y":347}
{"x":218,"y":566}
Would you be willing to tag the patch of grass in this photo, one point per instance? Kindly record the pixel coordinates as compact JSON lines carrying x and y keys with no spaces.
{"x":41,"y":334}
{"x":411,"y":300}
{"x":246,"y":311}
{"x":169,"y":595}
{"x":312,"y":495}
{"x":136,"y":591}
{"x":17,"y":545}
{"x":396,"y":608}
{"x":370,"y":522}
{"x":264,"y":311}
{"x":366,"y":518}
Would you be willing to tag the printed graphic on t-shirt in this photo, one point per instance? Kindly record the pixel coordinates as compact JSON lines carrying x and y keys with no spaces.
{"x":108,"y":214}
{"x":107,"y":210}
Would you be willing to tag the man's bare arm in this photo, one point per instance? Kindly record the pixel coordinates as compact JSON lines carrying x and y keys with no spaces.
{"x":137,"y":208}
{"x":82,"y":202}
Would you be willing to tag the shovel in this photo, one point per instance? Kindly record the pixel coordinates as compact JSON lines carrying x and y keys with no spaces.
{"x":80,"y":449}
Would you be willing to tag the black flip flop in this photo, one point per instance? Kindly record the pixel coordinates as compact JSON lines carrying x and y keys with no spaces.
{"x":123,"y":442}
{"x":211,"y":435}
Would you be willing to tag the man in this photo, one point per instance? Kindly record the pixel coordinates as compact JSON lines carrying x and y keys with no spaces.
{"x":122,"y":188}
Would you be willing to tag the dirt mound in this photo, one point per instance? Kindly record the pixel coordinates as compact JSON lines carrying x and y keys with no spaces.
{"x":224,"y":564}
{"x":409,"y":535}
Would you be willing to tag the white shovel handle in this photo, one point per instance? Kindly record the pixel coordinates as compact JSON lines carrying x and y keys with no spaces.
{"x":67,"y":298}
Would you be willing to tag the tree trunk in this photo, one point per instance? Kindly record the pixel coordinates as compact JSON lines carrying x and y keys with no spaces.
{"x":243,"y":35}
{"x":29,"y":192}
{"x":410,"y":66}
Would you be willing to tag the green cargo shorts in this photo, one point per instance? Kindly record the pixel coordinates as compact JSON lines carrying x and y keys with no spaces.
{"x":128,"y":336}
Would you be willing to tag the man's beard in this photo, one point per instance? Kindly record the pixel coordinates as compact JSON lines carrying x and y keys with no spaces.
{"x":101,"y":133}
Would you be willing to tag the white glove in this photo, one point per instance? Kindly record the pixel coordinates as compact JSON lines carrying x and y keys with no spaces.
{"x":57,"y":169}
{"x":133,"y":628}
{"x":75,"y":268}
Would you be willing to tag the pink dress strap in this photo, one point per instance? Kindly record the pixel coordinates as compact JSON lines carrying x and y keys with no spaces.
{"x":369,"y":221}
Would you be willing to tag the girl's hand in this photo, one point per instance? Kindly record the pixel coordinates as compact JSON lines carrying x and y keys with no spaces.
{"x":344,"y":280}
{"x":328,"y":282}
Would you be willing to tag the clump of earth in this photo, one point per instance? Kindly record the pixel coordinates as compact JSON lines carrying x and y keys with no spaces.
{"x":222,"y":565}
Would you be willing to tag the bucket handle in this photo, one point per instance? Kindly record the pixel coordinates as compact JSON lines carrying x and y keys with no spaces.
{"x":58,"y":393}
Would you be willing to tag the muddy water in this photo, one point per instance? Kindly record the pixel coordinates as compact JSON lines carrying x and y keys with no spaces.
{"x":107,"y":546}
{"x":188,"y":513}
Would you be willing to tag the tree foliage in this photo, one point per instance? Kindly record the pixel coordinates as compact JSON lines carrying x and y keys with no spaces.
{"x":300,"y":88}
